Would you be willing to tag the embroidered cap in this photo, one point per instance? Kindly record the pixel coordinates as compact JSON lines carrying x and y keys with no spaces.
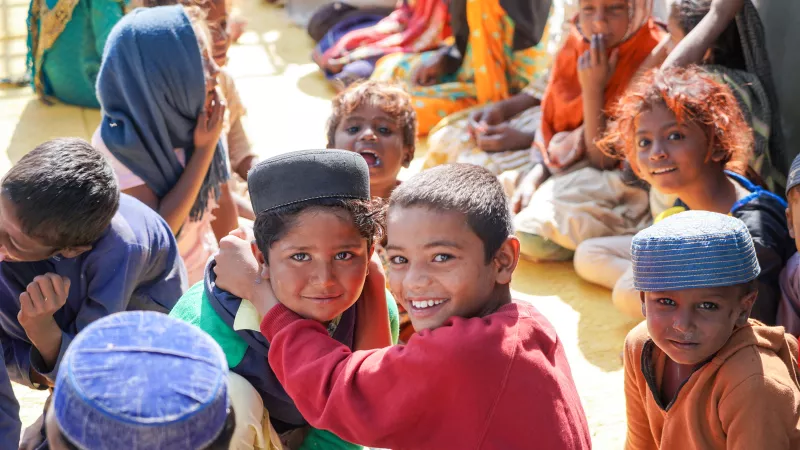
{"x":693,"y":249}
{"x":142,"y":380}
{"x":305,"y":175}
{"x":794,"y":175}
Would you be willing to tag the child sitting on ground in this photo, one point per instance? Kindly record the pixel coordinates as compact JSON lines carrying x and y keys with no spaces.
{"x":789,"y":307}
{"x":699,"y":373}
{"x":162,"y":120}
{"x":490,"y":372}
{"x":683,"y":132}
{"x":314,"y":234}
{"x":73,"y":250}
{"x":141,"y":381}
{"x":377,"y":121}
{"x":587,"y":195}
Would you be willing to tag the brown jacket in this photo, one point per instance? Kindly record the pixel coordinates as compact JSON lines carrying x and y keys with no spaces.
{"x":746,"y":397}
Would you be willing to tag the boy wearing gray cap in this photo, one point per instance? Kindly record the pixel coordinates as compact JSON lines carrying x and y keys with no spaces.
{"x":789,"y":306}
{"x":699,"y":373}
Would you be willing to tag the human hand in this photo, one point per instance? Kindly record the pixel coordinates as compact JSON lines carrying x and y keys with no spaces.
{"x":526,"y":188}
{"x":565,"y":149}
{"x":429,"y":72}
{"x":209,"y":124}
{"x":503,"y":137}
{"x":236,"y":267}
{"x":490,"y":115}
{"x":596,"y":66}
{"x":45,"y":295}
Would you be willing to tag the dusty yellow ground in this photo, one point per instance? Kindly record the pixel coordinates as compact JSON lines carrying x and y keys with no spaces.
{"x":288,"y":104}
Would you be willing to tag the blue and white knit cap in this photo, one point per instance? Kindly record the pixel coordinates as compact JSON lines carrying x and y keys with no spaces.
{"x":693,"y":249}
{"x":142,"y":380}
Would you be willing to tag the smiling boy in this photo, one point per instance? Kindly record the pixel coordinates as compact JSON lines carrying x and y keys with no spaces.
{"x":482,"y":371}
{"x":699,"y":374}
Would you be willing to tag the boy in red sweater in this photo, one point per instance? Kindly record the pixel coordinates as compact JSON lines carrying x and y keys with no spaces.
{"x":483,"y":372}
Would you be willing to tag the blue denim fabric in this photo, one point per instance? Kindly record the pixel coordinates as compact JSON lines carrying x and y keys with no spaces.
{"x":693,"y":249}
{"x":142,"y":380}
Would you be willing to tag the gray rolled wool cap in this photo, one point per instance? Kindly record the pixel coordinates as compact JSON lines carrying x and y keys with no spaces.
{"x":307,"y":175}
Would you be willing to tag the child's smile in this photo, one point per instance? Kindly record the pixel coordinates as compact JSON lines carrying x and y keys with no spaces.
{"x":438,"y":267}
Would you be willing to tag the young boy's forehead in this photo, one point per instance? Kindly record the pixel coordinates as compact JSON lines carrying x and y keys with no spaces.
{"x":427,"y":224}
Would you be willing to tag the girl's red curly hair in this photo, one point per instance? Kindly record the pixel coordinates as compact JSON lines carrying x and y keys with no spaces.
{"x":693,"y":95}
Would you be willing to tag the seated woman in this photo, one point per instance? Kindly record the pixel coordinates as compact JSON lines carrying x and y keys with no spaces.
{"x":587,"y":196}
{"x":498,"y":137}
{"x":349,"y":50}
{"x":65,"y":46}
{"x":497,"y":50}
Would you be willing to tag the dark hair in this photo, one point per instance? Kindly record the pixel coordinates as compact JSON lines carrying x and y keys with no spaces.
{"x":270,"y":226}
{"x":65,"y":193}
{"x":727,"y":50}
{"x":464,"y":188}
{"x":222,"y":442}
{"x":390,"y":98}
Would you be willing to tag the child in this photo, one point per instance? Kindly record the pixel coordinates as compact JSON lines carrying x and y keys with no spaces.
{"x":377,"y":121}
{"x":162,"y":122}
{"x":698,"y":373}
{"x":789,"y":307}
{"x":496,"y":50}
{"x":314,"y":235}
{"x":482,"y":371}
{"x":141,"y":381}
{"x":73,"y":251}
{"x":684,"y":134}
{"x":588,"y":196}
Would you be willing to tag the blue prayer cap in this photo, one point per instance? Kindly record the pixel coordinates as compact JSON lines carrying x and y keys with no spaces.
{"x":693,"y":249}
{"x":142,"y":380}
{"x":794,"y":175}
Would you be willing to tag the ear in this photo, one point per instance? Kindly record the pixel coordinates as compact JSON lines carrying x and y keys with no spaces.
{"x":72,"y":252}
{"x":718,"y":155}
{"x":747,"y":303}
{"x":408,"y":156}
{"x":263,"y":267}
{"x":790,"y":222}
{"x":506,"y":259}
{"x":644,"y":308}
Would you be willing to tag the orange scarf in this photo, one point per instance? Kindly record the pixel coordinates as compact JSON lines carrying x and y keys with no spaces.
{"x":562,"y":106}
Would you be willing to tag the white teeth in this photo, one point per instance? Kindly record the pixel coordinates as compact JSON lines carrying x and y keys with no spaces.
{"x":660,"y":171}
{"x":426,"y":303}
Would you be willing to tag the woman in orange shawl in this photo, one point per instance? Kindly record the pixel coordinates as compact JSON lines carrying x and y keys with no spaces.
{"x":587,"y":197}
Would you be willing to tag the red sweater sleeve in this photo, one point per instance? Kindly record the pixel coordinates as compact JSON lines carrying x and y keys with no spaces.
{"x":395,"y":397}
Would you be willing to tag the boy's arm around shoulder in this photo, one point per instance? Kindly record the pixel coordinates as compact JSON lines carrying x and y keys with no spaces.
{"x":639,"y":436}
{"x":762,"y":410}
{"x":392,"y":397}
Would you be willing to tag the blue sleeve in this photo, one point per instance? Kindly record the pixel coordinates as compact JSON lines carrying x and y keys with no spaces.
{"x":105,"y":14}
{"x":10,"y":425}
{"x":113,"y":276}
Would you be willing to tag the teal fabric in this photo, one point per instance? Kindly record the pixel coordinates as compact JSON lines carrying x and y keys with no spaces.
{"x":70,"y":66}
{"x":537,"y":248}
{"x":195,"y":308}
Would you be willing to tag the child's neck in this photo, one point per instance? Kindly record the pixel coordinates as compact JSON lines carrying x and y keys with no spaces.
{"x":501,"y":296}
{"x":716,"y":193}
{"x":383,"y":191}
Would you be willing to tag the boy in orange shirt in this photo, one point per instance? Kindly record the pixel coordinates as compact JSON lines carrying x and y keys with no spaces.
{"x":699,"y":374}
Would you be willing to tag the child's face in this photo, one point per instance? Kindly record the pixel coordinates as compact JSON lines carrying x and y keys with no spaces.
{"x":439,"y":269}
{"x":671,"y":156}
{"x":793,"y":215}
{"x":377,"y":136}
{"x":15,"y":245}
{"x":218,"y":25}
{"x":605,"y":17}
{"x":674,"y":22}
{"x":318,"y":268}
{"x":693,"y":324}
